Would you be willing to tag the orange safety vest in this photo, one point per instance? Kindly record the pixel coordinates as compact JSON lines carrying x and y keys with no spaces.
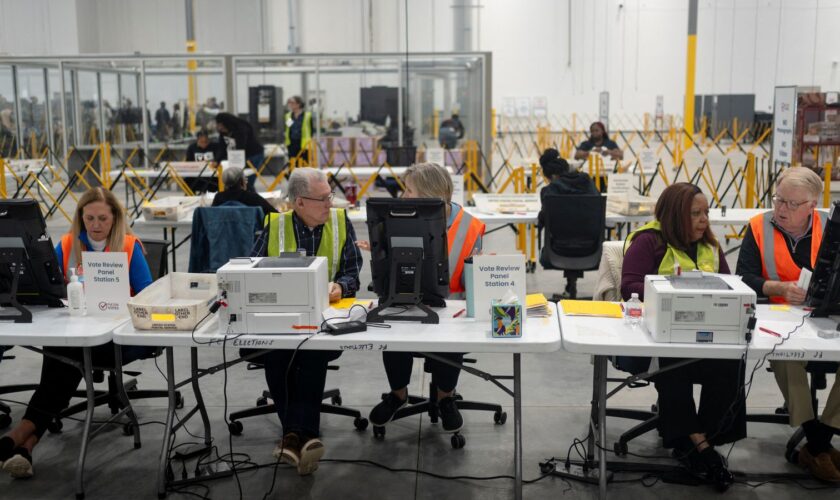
{"x":461,"y":238}
{"x":67,"y":250}
{"x":776,"y":262}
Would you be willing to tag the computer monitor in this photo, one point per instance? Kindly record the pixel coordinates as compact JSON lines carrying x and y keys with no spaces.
{"x":824,"y":290}
{"x":379,"y":103}
{"x":409,"y":257}
{"x":29,"y":268}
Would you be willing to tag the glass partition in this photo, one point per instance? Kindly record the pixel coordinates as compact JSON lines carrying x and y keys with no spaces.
{"x":8,"y":116}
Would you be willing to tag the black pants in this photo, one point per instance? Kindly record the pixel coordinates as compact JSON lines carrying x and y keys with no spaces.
{"x":60,"y":380}
{"x":444,"y":376}
{"x":299,"y":408}
{"x":293,"y":149}
{"x":721,"y":415}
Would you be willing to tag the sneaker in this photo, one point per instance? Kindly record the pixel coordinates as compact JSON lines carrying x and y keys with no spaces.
{"x":310,"y":455}
{"x":686,"y":453}
{"x":288,"y":449}
{"x":384,"y":412}
{"x":717,"y":471}
{"x":450,"y":417}
{"x":820,"y":466}
{"x":7,"y":449}
{"x":19,"y":466}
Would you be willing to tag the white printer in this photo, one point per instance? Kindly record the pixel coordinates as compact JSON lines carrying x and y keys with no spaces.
{"x":698,"y":307}
{"x":273,"y":295}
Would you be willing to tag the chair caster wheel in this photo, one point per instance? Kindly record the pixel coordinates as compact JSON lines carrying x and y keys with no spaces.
{"x":620,"y":448}
{"x":546,"y":467}
{"x":262,"y":401}
{"x":792,"y":456}
{"x":5,"y":420}
{"x":179,"y":403}
{"x":80,"y":496}
{"x":128,"y":429}
{"x":378,"y":432}
{"x":235,"y":427}
{"x":55,"y":426}
{"x":500,"y":417}
{"x":336,"y":400}
{"x":360,"y":423}
{"x":458,"y":441}
{"x":137,"y":446}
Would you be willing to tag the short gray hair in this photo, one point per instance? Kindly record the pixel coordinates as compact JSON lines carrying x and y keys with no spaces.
{"x":300,"y":179}
{"x":802,"y":177}
{"x":232,"y":177}
{"x":430,"y":180}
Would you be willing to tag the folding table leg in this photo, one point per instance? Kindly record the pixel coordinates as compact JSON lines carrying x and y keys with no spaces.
{"x":87,"y":372}
{"x":170,"y":418}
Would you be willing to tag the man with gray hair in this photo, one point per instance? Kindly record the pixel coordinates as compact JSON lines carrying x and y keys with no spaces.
{"x":314,"y":226}
{"x":236,"y":193}
{"x":777,"y":247}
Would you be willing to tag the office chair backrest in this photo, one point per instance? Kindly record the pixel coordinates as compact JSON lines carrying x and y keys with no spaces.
{"x":575,"y":224}
{"x":156,"y":257}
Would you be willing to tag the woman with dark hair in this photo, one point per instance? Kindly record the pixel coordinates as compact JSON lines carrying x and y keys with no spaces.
{"x":235,"y":133}
{"x":599,"y":142}
{"x":562,"y":179}
{"x":681,"y":236}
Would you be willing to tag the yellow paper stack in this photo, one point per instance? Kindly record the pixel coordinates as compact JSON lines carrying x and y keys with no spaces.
{"x":537,"y":305}
{"x":591,"y":308}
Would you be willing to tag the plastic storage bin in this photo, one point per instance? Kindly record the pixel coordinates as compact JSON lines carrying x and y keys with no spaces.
{"x":177,"y":301}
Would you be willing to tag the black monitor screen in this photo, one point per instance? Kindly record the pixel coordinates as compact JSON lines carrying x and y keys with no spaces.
{"x":379,"y":103}
{"x":824,"y":290}
{"x":403,"y":223}
{"x":41,"y":281}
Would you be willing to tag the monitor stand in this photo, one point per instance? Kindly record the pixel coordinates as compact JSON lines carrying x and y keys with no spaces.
{"x":406,"y":268}
{"x":13,"y":257}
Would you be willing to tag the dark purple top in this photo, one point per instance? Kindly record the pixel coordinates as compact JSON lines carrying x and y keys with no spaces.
{"x":643,"y":258}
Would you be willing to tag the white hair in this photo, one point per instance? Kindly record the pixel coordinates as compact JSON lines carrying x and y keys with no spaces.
{"x":232,"y":177}
{"x":301,"y":179}
{"x":802,"y":177}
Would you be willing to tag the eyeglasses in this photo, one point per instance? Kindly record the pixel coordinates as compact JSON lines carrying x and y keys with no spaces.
{"x":326,"y":199}
{"x":791,"y":205}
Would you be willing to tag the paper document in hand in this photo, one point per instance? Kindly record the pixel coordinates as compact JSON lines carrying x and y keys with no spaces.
{"x":591,"y":308}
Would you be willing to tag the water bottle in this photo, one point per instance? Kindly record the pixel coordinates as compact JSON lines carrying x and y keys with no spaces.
{"x":633,"y":310}
{"x":75,"y":296}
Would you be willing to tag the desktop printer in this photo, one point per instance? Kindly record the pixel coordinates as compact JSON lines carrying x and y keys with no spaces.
{"x":698,"y":307}
{"x":273,"y":295}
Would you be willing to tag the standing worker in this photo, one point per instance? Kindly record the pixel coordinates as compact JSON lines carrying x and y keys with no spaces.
{"x":298,"y":129}
{"x":238,"y":134}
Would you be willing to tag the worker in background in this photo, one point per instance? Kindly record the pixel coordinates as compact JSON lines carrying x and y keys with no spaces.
{"x":298,"y":129}
{"x":777,"y":246}
{"x":451,"y":130}
{"x":202,"y":149}
{"x":296,"y":381}
{"x":236,"y":133}
{"x":162,"y":119}
{"x":598,"y":142}
{"x":236,"y":191}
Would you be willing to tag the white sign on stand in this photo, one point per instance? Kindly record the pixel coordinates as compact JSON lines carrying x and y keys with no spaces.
{"x":648,"y":161}
{"x":107,"y":288}
{"x":784,"y":118}
{"x":620,"y":184}
{"x":493,"y":276}
{"x":458,"y":189}
{"x":236,"y":158}
{"x":436,"y":155}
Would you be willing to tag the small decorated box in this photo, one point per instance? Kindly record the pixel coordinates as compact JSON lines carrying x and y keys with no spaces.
{"x":506,"y":319}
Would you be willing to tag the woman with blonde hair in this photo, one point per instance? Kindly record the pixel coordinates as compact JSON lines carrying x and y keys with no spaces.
{"x":99,"y":225}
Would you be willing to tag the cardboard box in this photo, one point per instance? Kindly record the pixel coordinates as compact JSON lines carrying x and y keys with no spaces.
{"x":177,"y":301}
{"x":170,"y":208}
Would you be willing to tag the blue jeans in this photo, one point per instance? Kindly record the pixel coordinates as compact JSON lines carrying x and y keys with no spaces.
{"x":257,"y":161}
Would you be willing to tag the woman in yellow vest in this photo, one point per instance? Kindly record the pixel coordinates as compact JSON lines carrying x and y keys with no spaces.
{"x":777,"y":246}
{"x":429,"y":180}
{"x":681,"y":236}
{"x":298,"y":130}
{"x":99,"y":225}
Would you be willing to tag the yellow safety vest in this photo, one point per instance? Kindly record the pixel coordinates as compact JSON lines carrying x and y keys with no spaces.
{"x":707,"y":256}
{"x":305,"y":132}
{"x":333,"y":237}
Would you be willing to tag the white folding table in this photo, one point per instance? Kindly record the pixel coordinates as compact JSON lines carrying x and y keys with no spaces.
{"x":452,"y":334}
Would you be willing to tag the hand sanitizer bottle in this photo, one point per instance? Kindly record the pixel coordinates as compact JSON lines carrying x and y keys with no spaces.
{"x":75,"y":295}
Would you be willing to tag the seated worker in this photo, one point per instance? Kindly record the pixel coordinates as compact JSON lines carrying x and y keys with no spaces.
{"x":310,"y":226}
{"x":681,"y":234}
{"x":777,"y":246}
{"x":236,"y":133}
{"x":202,"y":149}
{"x":298,"y":129}
{"x":451,"y":131}
{"x":235,"y":191}
{"x":99,"y":225}
{"x":562,"y":179}
{"x":598,"y":142}
{"x":428,"y":180}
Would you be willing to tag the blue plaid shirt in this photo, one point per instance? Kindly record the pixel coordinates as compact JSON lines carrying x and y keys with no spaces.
{"x":309,"y":239}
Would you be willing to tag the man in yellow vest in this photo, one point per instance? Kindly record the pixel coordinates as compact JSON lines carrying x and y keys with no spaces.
{"x":315,"y":227}
{"x":777,"y":246}
{"x":298,"y":130}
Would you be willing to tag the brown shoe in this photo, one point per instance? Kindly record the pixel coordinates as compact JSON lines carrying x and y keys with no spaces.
{"x":821,"y":466}
{"x":288,"y":449}
{"x":310,"y":453}
{"x":834,"y":453}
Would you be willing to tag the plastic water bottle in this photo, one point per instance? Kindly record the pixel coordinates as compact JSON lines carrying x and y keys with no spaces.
{"x":75,"y":296}
{"x":633,"y":310}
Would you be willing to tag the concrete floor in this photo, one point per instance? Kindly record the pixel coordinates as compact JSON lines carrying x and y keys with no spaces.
{"x":557,"y":391}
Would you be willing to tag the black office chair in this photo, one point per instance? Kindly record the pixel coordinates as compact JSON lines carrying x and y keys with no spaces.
{"x":156,"y":257}
{"x":417,"y":405}
{"x":574,"y":232}
{"x":263,"y":407}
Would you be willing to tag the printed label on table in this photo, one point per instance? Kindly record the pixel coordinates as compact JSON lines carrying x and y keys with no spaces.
{"x":107,"y":288}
